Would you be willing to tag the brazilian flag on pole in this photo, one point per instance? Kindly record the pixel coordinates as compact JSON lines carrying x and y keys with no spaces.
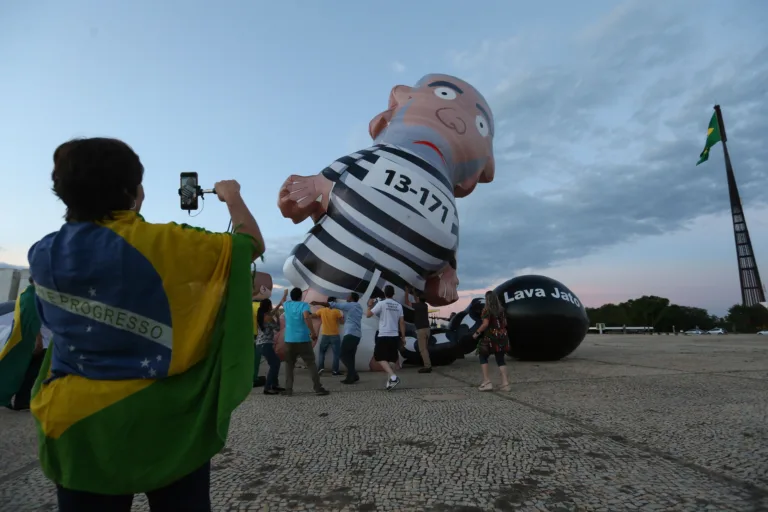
{"x":152,"y":350}
{"x":713,"y":137}
{"x":18,"y":333}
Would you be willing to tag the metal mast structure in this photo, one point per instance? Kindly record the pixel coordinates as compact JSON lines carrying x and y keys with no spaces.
{"x":752,"y":292}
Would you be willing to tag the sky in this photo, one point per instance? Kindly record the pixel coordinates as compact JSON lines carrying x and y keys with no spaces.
{"x":601,"y":111}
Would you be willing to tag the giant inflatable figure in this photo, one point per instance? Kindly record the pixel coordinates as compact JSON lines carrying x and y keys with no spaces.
{"x":387,"y":214}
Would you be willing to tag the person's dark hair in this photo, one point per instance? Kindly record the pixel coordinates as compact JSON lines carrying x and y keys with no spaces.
{"x":264,"y":307}
{"x":389,"y":291}
{"x":95,"y":177}
{"x":31,"y":281}
{"x":296,"y":294}
{"x":493,"y":304}
{"x":331,"y":299}
{"x":354,"y":297}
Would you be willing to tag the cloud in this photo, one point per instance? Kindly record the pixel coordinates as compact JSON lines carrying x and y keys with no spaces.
{"x":277,"y":252}
{"x":600,"y":148}
{"x":398,"y":67}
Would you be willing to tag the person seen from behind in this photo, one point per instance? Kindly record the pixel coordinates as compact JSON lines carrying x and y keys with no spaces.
{"x":423,"y":331}
{"x":21,"y":350}
{"x":493,"y":341}
{"x":268,"y":320}
{"x":299,"y":335}
{"x":353,"y":316}
{"x":152,"y":338}
{"x":391,"y":334}
{"x":330,"y":318}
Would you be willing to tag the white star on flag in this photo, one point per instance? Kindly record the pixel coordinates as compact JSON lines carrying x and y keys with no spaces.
{"x":79,"y":366}
{"x":145,"y":363}
{"x":82,"y":356}
{"x":88,"y":328}
{"x":71,"y":348}
{"x":152,"y":372}
{"x":159,"y":358}
{"x":92,"y":292}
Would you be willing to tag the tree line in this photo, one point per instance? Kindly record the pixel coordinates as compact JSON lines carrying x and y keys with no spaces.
{"x":659,"y":313}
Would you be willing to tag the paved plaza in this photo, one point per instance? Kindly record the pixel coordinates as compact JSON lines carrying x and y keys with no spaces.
{"x":625,"y":423}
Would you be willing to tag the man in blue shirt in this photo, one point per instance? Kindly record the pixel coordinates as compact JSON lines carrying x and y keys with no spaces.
{"x":299,"y":335}
{"x":353,"y":316}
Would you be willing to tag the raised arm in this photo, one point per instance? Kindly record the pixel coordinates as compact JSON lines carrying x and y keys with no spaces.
{"x":276,"y":311}
{"x":372,"y":308}
{"x":242,"y":219}
{"x":408,"y":297}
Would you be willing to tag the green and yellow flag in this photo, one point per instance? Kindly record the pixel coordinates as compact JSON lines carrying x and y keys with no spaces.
{"x":152,"y":351}
{"x":18,"y":333}
{"x":713,"y":137}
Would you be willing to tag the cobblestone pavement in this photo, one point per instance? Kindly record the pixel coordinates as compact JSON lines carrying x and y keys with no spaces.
{"x":626,"y":423}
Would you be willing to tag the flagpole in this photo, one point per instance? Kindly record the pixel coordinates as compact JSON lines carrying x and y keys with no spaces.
{"x":751,"y":285}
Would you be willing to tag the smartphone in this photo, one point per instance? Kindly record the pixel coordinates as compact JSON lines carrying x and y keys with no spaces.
{"x":188,"y":191}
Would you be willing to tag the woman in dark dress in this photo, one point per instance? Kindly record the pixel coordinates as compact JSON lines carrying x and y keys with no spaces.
{"x":493,"y":340}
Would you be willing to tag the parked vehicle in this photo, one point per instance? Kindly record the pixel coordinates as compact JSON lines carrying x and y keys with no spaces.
{"x":717,"y":330}
{"x":695,"y":332}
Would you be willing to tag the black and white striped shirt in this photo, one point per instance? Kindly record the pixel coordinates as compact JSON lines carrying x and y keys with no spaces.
{"x":388,"y":210}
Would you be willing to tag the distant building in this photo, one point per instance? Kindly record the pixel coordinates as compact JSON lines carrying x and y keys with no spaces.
{"x":13,"y":281}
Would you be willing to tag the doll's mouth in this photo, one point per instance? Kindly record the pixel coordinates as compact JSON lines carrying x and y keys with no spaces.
{"x":432,"y":146}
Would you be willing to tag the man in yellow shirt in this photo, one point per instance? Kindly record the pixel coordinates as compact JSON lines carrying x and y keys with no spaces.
{"x":330,"y":318}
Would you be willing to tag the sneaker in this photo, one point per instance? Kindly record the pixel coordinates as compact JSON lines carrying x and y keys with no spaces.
{"x":278,"y":388}
{"x":392,"y":383}
{"x":287,"y":392}
{"x":271,"y":392}
{"x":486,"y":386}
{"x":425,"y":370}
{"x":320,"y":371}
{"x":337,"y":373}
{"x":322,"y":392}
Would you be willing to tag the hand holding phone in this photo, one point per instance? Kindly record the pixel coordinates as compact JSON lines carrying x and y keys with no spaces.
{"x":227,"y":190}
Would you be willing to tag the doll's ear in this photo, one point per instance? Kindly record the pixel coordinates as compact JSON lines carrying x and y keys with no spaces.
{"x":398,"y":96}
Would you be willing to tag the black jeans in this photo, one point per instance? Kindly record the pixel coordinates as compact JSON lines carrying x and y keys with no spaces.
{"x":189,"y":494}
{"x":348,"y":351}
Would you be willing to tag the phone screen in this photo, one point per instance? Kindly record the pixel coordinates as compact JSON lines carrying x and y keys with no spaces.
{"x":188,"y":190}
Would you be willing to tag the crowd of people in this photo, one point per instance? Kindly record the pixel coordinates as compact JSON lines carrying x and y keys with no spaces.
{"x":127,"y":304}
{"x":300,"y":333}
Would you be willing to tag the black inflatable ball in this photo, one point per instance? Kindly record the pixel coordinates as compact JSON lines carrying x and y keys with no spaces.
{"x":545,"y":320}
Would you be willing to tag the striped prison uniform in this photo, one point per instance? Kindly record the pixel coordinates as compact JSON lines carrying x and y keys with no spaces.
{"x":388,"y":210}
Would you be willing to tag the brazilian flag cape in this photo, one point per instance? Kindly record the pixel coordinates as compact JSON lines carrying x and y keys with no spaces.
{"x":18,"y":333}
{"x":152,"y":350}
